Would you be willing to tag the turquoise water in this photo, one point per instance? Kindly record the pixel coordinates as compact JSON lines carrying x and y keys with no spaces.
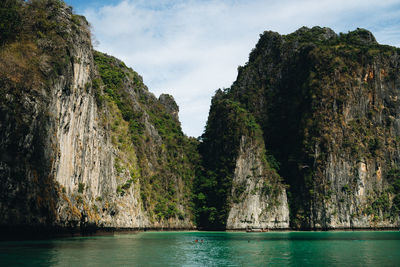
{"x":217,"y":249}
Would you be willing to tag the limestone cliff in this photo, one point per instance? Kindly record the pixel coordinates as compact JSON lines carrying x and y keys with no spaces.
{"x":307,"y":137}
{"x":83,"y":141}
{"x":170,"y":105}
{"x":327,"y":106}
{"x":256,"y":203}
{"x":238,"y":187}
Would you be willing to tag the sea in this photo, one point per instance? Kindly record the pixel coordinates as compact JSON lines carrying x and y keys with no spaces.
{"x":348,"y":248}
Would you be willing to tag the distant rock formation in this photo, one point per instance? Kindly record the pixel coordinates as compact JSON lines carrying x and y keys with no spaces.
{"x":326,"y":108}
{"x":83,"y":141}
{"x":170,"y":105}
{"x":307,"y":137}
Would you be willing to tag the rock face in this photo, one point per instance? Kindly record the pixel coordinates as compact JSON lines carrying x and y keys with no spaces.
{"x":238,"y":187}
{"x":326,"y":106}
{"x":253,"y":206}
{"x":83,"y":142}
{"x":307,"y":137}
{"x":170,"y":105}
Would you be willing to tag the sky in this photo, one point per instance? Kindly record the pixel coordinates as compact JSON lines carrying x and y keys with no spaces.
{"x":191,"y":48}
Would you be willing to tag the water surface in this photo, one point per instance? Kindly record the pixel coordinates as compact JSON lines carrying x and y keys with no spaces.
{"x":211,"y":249}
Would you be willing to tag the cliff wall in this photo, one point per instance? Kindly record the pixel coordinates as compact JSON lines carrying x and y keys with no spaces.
{"x":83,"y":141}
{"x":256,"y":201}
{"x":238,"y":187}
{"x":307,"y":137}
{"x":327,"y":106}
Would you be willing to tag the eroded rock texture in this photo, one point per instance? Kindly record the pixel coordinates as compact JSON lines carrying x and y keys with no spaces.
{"x":307,"y":137}
{"x":327,"y":108}
{"x":83,"y":141}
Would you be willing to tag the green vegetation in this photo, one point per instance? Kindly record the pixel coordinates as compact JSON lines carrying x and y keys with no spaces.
{"x":34,"y":42}
{"x":304,"y":92}
{"x":346,"y":189}
{"x":32,"y":51}
{"x":166,"y":185}
{"x":10,"y":20}
{"x":310,"y":98}
{"x":152,"y":153}
{"x":81,"y":187}
{"x":220,"y":143}
{"x":393,"y":177}
{"x":113,"y":73}
{"x":228,"y":123}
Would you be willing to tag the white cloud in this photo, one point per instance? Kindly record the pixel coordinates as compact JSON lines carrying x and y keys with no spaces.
{"x":191,"y":48}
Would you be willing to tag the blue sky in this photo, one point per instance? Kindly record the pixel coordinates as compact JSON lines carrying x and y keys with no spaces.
{"x":81,"y":5}
{"x":191,"y":48}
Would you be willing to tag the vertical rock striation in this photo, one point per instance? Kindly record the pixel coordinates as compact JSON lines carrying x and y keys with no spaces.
{"x":327,"y":108}
{"x":239,"y":186}
{"x":255,"y":204}
{"x":307,"y":137}
{"x":83,"y":142}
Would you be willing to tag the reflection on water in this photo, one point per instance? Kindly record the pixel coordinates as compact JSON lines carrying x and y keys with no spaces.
{"x":212,"y":249}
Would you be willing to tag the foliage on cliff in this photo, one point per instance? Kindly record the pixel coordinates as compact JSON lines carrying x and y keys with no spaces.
{"x":34,"y":43}
{"x":316,"y":97}
{"x":10,"y":19}
{"x":41,"y":68}
{"x":214,"y":183}
{"x":35,"y":40}
{"x":164,"y":156}
{"x":322,"y":107}
{"x":228,"y":123}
